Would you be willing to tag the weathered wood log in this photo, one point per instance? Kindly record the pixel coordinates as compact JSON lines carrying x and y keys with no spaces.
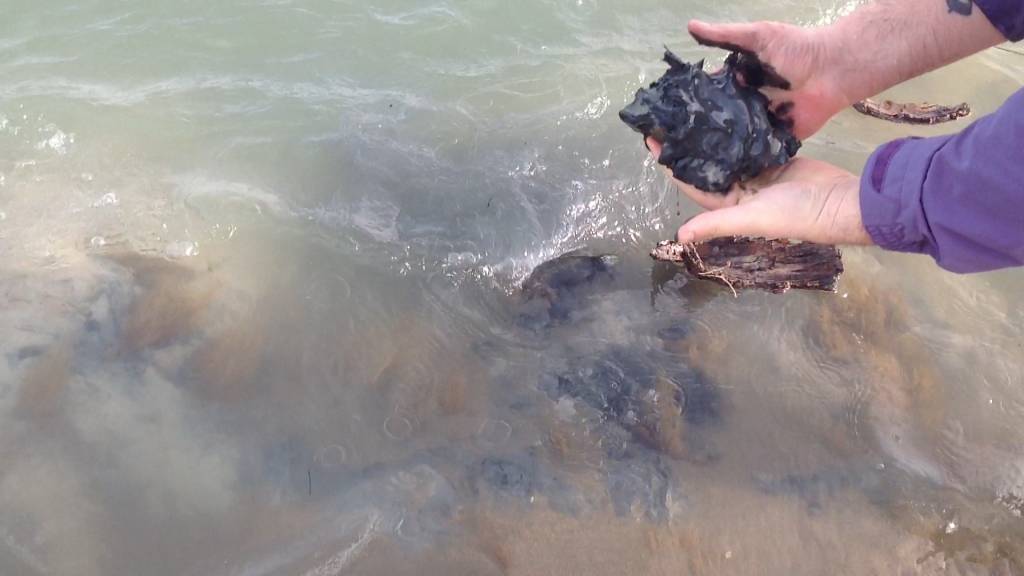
{"x":911,"y":113}
{"x":743,"y":262}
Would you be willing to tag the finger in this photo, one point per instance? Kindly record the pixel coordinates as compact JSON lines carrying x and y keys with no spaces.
{"x":778,"y":96}
{"x":773,"y":79}
{"x":755,"y":72}
{"x":654,"y":146}
{"x":739,"y":220}
{"x":706,"y":200}
{"x":782,"y":108}
{"x":732,"y":37}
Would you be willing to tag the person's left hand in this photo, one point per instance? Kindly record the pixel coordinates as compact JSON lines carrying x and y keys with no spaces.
{"x":805,"y":200}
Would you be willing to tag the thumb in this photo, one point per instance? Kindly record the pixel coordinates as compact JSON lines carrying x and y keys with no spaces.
{"x":739,"y":220}
{"x":653,"y":146}
{"x":727,"y":36}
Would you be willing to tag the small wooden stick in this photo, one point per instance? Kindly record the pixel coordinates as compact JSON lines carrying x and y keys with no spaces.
{"x":911,"y":113}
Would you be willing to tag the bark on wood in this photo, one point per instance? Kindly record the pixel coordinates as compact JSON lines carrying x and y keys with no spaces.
{"x":912,"y":113}
{"x":773,"y":265}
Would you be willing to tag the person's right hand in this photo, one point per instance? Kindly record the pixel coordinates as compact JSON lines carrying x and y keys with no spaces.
{"x":802,"y":56}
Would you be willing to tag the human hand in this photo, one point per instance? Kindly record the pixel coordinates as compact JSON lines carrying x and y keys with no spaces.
{"x":812,"y":92}
{"x":803,"y":200}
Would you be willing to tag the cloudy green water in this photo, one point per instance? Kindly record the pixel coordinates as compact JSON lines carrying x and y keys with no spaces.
{"x":257,"y":270}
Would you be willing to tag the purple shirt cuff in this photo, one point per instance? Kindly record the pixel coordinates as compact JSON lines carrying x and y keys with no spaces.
{"x":890,"y":195}
{"x":1006,"y":15}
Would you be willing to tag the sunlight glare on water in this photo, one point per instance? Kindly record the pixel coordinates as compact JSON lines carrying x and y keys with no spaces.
{"x":261,"y":265}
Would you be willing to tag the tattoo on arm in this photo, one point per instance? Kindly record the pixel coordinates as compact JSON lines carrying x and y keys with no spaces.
{"x":961,"y":7}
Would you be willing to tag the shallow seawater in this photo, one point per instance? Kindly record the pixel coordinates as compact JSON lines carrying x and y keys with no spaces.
{"x":259,"y":266}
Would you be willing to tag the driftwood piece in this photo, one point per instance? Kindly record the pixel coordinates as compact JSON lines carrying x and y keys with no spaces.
{"x":912,"y":113}
{"x":773,"y":265}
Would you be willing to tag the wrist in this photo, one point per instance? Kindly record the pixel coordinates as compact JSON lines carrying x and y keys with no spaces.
{"x":852,"y":224}
{"x":848,"y":222}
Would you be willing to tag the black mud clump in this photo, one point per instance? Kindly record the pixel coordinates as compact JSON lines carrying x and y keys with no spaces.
{"x":714,"y":131}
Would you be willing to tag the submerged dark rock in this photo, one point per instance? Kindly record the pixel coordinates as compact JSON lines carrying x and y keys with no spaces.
{"x":508,"y":476}
{"x":559,"y":286}
{"x":644,"y":411}
{"x":523,"y":477}
{"x":651,"y":398}
{"x":635,"y":410}
{"x":714,"y":131}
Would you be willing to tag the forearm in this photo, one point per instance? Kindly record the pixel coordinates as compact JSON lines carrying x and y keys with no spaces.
{"x":958,"y":198}
{"x":887,"y":42}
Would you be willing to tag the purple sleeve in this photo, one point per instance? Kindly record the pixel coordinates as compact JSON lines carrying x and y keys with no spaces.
{"x":1006,"y":15}
{"x":958,"y":198}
